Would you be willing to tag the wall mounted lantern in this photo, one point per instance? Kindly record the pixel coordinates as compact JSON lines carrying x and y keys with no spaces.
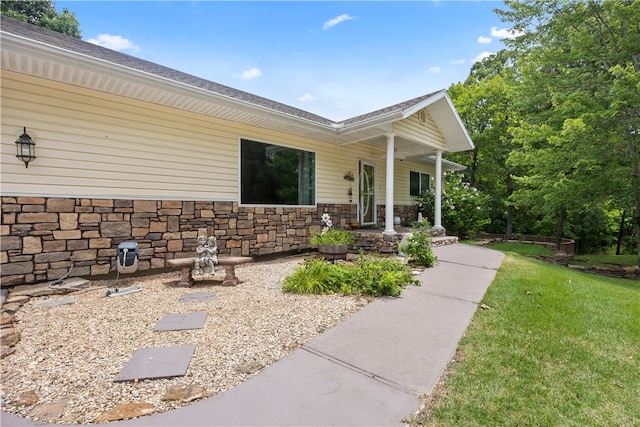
{"x":26,"y":148}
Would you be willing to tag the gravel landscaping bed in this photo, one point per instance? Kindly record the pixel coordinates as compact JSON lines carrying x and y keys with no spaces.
{"x":63,"y":367}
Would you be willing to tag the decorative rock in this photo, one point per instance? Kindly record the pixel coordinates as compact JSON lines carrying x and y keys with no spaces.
{"x":6,"y":319}
{"x":57,"y":302}
{"x":249,"y":367}
{"x":49,"y":411}
{"x":18,"y":299}
{"x":185,"y":393}
{"x":9,"y":336}
{"x":11,"y":308}
{"x":5,"y":350}
{"x":125,"y":411}
{"x":33,"y":290}
{"x":26,"y":398}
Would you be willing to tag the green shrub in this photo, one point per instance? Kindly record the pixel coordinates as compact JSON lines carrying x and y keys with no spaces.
{"x":418,"y":247}
{"x":464,"y":209}
{"x":333,"y":237}
{"x":368,"y":276}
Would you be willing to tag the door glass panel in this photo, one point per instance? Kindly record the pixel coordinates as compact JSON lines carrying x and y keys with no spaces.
{"x":367,"y":193}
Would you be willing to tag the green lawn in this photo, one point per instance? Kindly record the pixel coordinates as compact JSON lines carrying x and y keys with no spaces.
{"x":557,"y":348}
{"x":604,"y":260}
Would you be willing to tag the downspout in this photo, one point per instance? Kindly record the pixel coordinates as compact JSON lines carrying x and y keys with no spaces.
{"x":388,"y":217}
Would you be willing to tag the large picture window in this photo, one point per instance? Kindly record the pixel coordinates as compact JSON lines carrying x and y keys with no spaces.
{"x":418,"y":183}
{"x":275,"y":175}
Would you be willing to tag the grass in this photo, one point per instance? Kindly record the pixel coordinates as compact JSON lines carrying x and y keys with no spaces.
{"x":527,"y":249}
{"x":604,"y":260}
{"x":556,"y":348}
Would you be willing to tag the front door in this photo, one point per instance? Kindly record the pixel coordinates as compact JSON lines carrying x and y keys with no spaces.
{"x":367,"y":199}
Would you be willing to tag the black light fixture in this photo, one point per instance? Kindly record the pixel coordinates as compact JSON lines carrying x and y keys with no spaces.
{"x":26,"y":148}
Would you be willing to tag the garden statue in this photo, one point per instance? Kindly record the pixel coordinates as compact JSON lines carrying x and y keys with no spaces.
{"x":206,"y":255}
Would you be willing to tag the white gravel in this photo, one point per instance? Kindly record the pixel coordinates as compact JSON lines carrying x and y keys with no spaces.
{"x":74,"y":351}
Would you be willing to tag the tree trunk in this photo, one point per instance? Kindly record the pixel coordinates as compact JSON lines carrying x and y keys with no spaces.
{"x":473,"y":168}
{"x":562,"y":216}
{"x":511,"y":210}
{"x":621,"y":232}
{"x":510,"y":214}
{"x":637,"y":219}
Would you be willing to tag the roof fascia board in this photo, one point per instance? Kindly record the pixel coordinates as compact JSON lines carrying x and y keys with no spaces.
{"x":381,"y":122}
{"x":453,"y":110}
{"x":424,"y":104}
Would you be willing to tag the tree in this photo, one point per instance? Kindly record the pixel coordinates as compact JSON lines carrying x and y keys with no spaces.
{"x":43,"y":14}
{"x":580,"y":104}
{"x":485,"y":105}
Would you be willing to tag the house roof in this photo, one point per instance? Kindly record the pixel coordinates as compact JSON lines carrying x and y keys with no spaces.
{"x":39,"y":52}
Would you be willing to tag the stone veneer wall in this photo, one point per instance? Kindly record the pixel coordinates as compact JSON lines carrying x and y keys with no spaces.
{"x":406,"y":213}
{"x":41,"y":238}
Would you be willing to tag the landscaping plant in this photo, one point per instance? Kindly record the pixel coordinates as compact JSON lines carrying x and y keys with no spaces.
{"x":418,"y":247}
{"x":368,"y":275}
{"x":330,"y":235}
{"x":464,"y":209}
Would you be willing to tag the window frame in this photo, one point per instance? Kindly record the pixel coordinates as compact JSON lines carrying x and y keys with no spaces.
{"x":287,"y":146}
{"x":420,"y":175}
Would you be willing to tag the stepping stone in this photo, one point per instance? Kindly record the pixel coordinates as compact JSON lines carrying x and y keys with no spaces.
{"x":197,"y":296}
{"x":157,"y":362}
{"x":57,"y":302}
{"x":181,"y":321}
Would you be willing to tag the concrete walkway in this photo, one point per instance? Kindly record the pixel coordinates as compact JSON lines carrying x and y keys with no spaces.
{"x":369,"y":370}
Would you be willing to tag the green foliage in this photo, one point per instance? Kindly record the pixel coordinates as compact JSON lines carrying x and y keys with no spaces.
{"x":553,"y":347}
{"x":367,"y":276}
{"x":333,"y":237}
{"x":418,"y":247}
{"x":464,"y":208}
{"x":43,"y":14}
{"x":316,"y":276}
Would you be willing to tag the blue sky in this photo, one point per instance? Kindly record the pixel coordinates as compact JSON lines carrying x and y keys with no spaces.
{"x":335,"y":59}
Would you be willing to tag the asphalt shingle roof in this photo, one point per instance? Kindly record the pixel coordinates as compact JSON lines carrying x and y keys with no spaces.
{"x":70,"y":44}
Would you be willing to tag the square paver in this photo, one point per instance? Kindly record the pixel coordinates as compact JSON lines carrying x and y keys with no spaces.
{"x":181,"y":321}
{"x":157,"y":362}
{"x":197,"y":296}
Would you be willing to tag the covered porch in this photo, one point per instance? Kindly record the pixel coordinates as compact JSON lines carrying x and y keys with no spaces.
{"x":416,"y":132}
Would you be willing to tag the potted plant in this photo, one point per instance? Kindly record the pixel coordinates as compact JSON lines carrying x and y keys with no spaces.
{"x":332,"y":243}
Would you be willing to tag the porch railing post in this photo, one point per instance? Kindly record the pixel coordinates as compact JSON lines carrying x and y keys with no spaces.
{"x":388,"y":217}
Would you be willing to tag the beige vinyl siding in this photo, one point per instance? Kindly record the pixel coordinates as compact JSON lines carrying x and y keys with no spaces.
{"x":401,"y":181}
{"x":92,"y":144}
{"x":411,"y":128}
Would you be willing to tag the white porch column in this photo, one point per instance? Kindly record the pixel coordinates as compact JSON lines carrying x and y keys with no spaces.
{"x":437,"y":220}
{"x":388,"y":217}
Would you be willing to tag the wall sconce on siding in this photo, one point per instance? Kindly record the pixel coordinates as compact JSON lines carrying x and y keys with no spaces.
{"x":26,"y":148}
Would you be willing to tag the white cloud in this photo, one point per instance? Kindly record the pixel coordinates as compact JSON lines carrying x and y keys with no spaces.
{"x":335,"y":21}
{"x":481,"y":56}
{"x":307,"y":97}
{"x":434,"y":69}
{"x":458,"y":61}
{"x":117,"y":43}
{"x":505,"y":33}
{"x":484,"y":40}
{"x":250,"y":74}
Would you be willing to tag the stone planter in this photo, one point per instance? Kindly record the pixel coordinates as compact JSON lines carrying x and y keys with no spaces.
{"x":333,"y":252}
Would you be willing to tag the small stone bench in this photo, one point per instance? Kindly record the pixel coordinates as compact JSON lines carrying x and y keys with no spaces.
{"x":186,"y":264}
